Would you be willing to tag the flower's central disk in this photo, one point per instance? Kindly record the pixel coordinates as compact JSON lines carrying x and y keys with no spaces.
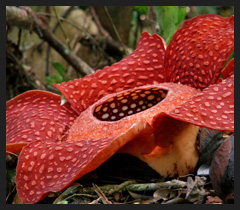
{"x":129,"y":103}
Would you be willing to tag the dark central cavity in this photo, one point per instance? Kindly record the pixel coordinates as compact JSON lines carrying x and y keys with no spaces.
{"x":129,"y":103}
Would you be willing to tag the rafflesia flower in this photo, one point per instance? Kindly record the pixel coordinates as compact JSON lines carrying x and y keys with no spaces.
{"x":150,"y":105}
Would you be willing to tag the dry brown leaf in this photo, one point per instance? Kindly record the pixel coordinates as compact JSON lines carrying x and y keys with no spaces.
{"x":213,"y":200}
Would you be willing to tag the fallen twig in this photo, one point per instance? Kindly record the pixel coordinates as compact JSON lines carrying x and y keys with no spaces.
{"x":133,"y":187}
{"x":101,"y":194}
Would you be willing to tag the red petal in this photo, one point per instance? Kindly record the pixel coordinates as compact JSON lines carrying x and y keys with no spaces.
{"x":219,"y":80}
{"x":108,"y":110}
{"x":229,"y":69}
{"x":213,"y":108}
{"x":199,"y":50}
{"x":143,"y":66}
{"x":36,"y":115}
{"x":52,"y":166}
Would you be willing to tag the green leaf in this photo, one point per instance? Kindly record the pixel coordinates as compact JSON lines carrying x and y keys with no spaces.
{"x":11,"y":174}
{"x":61,"y":199}
{"x":54,"y":79}
{"x":84,"y":7}
{"x":60,"y":68}
{"x":181,"y":15}
{"x":169,"y":18}
{"x":63,"y":202}
{"x":67,"y":79}
{"x":142,"y":10}
{"x":229,"y":58}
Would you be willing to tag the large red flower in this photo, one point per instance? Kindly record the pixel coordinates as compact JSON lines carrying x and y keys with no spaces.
{"x":149,"y":104}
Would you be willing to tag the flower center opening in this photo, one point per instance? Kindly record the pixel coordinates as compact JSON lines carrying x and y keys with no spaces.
{"x":129,"y":103}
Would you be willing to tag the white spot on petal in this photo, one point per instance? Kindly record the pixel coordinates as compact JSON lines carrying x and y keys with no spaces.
{"x":105,"y":116}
